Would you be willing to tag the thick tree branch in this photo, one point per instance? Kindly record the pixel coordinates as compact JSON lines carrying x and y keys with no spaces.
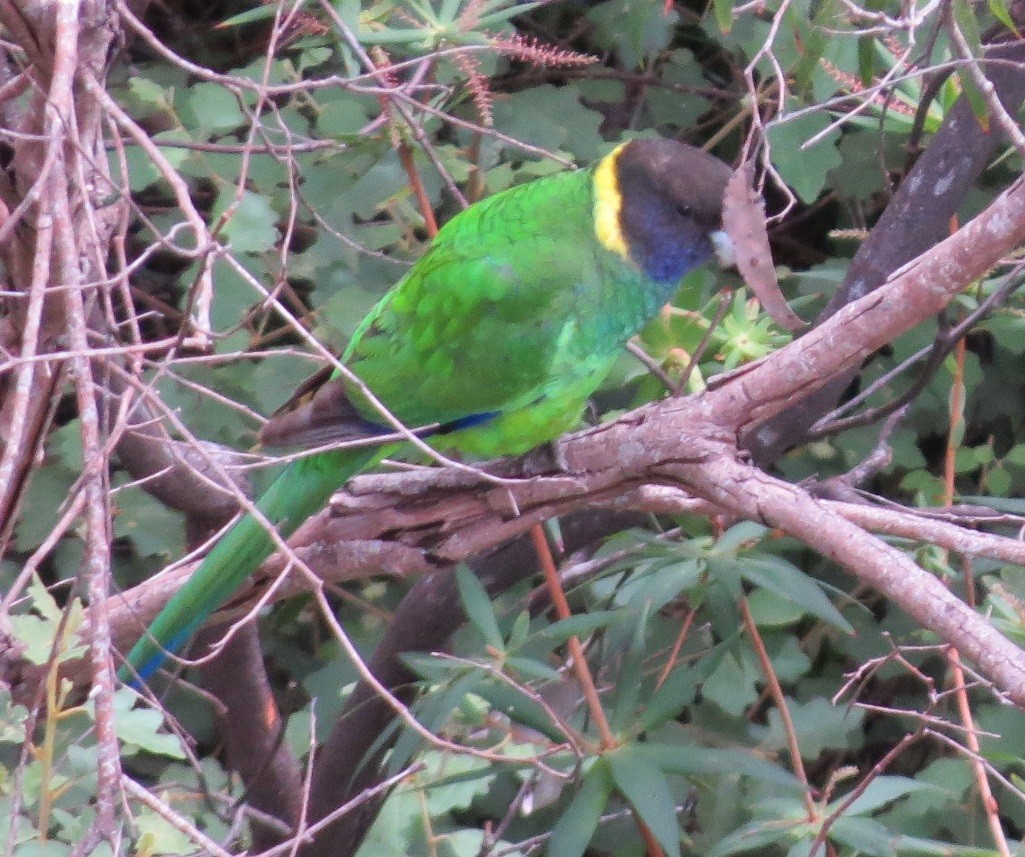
{"x":915,"y":220}
{"x":753,"y":494}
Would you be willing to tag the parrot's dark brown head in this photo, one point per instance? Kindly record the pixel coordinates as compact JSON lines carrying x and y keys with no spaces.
{"x":659,"y":203}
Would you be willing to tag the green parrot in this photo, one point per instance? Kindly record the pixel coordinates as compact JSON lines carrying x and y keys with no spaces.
{"x":491,"y":344}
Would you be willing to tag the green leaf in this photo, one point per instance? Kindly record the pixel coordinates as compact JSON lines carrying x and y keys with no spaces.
{"x":142,"y":172}
{"x":520,"y":632}
{"x":1001,"y":11}
{"x":251,"y":228}
{"x":36,"y":631}
{"x":964,"y":15}
{"x":577,"y":625}
{"x":772,"y":611}
{"x":45,"y":495}
{"x":648,"y":792}
{"x":491,"y":19}
{"x":866,"y":59}
{"x":970,"y":458}
{"x":636,"y":31}
{"x":694,"y":761}
{"x":209,"y":108}
{"x":477,"y":605}
{"x":43,"y":602}
{"x":998,"y":480}
{"x":658,"y":587}
{"x":149,"y":94}
{"x":251,"y":16}
{"x":865,"y":835}
{"x":789,"y":582}
{"x":745,"y":534}
{"x":976,"y":98}
{"x":573,"y":831}
{"x":732,"y":685}
{"x":679,"y":689}
{"x":723,"y":10}
{"x":552,"y":118}
{"x":820,"y":725}
{"x":12,"y":720}
{"x":678,"y":69}
{"x":154,"y":529}
{"x":968,"y":23}
{"x":140,"y":728}
{"x":158,"y":836}
{"x":520,"y":708}
{"x":880,"y":792}
{"x":456,"y":781}
{"x":532,"y":669}
{"x":628,"y":688}
{"x":751,"y":837}
{"x":433,"y":711}
{"x":805,"y":169}
{"x":342,"y":118}
{"x":1013,"y":505}
{"x":396,"y":826}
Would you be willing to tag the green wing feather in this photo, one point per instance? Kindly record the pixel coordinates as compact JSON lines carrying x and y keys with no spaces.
{"x":515,"y":311}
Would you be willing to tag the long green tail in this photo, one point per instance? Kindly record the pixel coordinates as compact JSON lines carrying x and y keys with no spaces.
{"x":300,"y":491}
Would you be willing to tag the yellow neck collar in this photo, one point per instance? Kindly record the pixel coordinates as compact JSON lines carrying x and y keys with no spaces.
{"x":608,"y":203}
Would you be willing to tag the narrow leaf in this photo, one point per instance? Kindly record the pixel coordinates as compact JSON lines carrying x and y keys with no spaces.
{"x":532,"y":669}
{"x":629,"y":685}
{"x":753,"y":837}
{"x":478,"y":607}
{"x":881,"y":791}
{"x":789,"y":582}
{"x":519,"y":708}
{"x":723,"y":14}
{"x":999,"y":9}
{"x":680,"y":688}
{"x":866,"y":59}
{"x":573,"y":831}
{"x":645,"y":786}
{"x":719,"y":761}
{"x":577,"y":625}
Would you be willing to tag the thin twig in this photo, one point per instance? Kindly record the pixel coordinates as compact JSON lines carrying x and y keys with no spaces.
{"x":779,"y":699}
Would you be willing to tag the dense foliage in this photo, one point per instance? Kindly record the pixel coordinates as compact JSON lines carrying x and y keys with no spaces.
{"x":314,"y":142}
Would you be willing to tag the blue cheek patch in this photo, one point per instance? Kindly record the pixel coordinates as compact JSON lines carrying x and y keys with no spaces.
{"x":668,"y":265}
{"x":657,"y":246}
{"x":665,"y":256}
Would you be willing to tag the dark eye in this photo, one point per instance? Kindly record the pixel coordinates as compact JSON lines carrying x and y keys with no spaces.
{"x":683,"y":209}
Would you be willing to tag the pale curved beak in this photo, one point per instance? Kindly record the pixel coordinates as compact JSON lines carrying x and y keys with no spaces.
{"x":725,"y":252}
